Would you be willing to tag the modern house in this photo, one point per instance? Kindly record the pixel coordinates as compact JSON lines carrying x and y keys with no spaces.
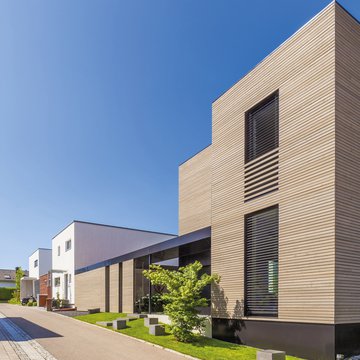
{"x":7,"y":278}
{"x":82,"y":244}
{"x":272,"y":205}
{"x":39,"y":267}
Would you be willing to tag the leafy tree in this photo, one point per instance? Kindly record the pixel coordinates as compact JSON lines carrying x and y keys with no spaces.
{"x":183,"y":296}
{"x":19,"y":274}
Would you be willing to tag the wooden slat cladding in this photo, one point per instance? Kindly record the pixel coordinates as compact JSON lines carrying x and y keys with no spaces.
{"x":195,"y":192}
{"x":303,"y":71}
{"x":347,"y":309}
{"x":128,"y":286}
{"x":114,"y":288}
{"x":261,"y":176}
{"x":90,"y":289}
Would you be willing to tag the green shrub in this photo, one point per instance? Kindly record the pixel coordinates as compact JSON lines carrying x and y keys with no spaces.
{"x":183,"y":297}
{"x":34,"y":303}
{"x":14,"y":301}
{"x":6,"y":293}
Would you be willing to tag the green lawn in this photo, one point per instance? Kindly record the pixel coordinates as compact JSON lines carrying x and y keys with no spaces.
{"x":203,"y":348}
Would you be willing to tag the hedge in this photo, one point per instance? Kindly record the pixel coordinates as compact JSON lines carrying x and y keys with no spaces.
{"x":6,"y":293}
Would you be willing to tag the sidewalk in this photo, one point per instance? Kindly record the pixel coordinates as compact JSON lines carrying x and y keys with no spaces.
{"x":15,"y":344}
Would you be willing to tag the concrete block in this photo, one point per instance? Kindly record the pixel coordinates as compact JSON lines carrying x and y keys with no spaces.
{"x":104,"y":323}
{"x":137,"y":316}
{"x":94,"y":311}
{"x":157,"y":330}
{"x":119,"y":324}
{"x":270,"y":355}
{"x":151,"y":321}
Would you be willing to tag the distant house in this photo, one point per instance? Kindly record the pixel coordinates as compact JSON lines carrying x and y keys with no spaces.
{"x":7,"y":278}
{"x":39,"y":267}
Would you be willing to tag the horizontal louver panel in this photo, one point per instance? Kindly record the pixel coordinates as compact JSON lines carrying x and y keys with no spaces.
{"x":261,"y":176}
{"x":262,"y":128}
{"x":261,"y":262}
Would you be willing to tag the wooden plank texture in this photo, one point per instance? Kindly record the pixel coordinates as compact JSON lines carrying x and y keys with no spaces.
{"x":90,"y":289}
{"x":128,"y":286}
{"x":347,"y":309}
{"x":195,"y":192}
{"x":303,"y":70}
{"x":114,"y":288}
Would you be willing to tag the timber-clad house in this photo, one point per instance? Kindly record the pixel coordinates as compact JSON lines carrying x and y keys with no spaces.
{"x":271,"y":205}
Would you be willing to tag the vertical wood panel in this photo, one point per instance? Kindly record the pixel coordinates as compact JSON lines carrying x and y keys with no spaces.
{"x":114,"y":288}
{"x":128,"y":286}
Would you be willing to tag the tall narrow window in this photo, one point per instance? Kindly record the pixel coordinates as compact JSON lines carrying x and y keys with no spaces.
{"x":261,"y":262}
{"x":68,"y":245}
{"x":262,"y":128}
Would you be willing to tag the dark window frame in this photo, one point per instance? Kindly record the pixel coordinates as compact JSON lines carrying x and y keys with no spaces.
{"x":248,"y":156}
{"x":246,"y":309}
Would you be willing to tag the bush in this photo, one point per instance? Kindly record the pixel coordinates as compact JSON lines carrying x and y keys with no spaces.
{"x":183,"y":297}
{"x":14,"y":301}
{"x":6,"y":293}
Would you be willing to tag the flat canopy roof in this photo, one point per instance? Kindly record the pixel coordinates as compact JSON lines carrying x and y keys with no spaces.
{"x":164,"y":245}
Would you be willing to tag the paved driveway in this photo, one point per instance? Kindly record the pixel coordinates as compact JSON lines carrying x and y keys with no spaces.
{"x":69,"y":339}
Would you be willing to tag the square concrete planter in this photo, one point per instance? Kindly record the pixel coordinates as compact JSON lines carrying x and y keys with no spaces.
{"x":137,"y":316}
{"x":157,"y":330}
{"x":94,"y":311}
{"x":270,"y":355}
{"x":119,"y":324}
{"x":151,"y":321}
{"x":104,"y":323}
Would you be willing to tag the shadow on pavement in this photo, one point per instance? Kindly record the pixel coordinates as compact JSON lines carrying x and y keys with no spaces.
{"x":32,"y":329}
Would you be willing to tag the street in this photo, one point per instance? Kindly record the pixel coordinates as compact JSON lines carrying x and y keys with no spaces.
{"x":34,"y":334}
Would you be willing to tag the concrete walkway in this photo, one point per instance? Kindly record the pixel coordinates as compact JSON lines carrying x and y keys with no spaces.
{"x":16,"y":344}
{"x":68,"y":339}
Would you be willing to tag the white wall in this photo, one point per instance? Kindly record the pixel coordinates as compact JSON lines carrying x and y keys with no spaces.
{"x":92,"y":243}
{"x":95,"y":243}
{"x":44,"y":262}
{"x":63,"y":264}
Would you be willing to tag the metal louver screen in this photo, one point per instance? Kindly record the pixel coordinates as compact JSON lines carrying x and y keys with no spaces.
{"x":262,"y":128}
{"x":261,"y":262}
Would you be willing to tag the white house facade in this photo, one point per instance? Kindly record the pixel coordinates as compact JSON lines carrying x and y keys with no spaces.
{"x":39,"y":262}
{"x":83,"y":244}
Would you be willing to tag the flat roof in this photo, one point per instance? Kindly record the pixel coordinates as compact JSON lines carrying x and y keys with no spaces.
{"x":39,"y":249}
{"x":197,"y":235}
{"x":112,"y":226}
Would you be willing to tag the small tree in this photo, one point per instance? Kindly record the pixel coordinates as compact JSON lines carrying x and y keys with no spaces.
{"x":19,"y":274}
{"x":183,"y":296}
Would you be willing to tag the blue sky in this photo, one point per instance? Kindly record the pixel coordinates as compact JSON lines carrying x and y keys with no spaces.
{"x":101,"y":100}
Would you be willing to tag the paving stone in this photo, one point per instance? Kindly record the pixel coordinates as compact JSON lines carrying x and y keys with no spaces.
{"x":16,"y":344}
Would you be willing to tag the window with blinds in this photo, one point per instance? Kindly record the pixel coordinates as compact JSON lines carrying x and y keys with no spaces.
{"x":261,"y":262}
{"x":262,"y":128}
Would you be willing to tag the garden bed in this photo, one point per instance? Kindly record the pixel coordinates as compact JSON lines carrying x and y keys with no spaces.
{"x":202,"y":348}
